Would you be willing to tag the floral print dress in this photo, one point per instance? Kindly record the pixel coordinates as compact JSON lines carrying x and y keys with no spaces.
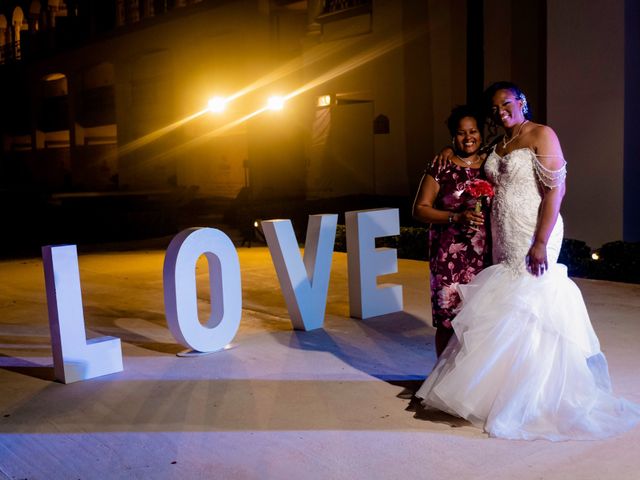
{"x":456,"y":252}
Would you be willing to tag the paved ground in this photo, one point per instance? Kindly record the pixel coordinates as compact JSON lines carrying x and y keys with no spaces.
{"x":279,"y":404}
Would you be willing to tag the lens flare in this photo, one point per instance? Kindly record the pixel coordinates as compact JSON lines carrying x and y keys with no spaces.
{"x":275,"y":102}
{"x":217,"y":104}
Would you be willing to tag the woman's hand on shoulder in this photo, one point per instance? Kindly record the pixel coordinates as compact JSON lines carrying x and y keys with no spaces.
{"x":443,"y":157}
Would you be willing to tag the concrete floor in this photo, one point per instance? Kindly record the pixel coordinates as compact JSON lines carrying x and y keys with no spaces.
{"x":279,"y":404}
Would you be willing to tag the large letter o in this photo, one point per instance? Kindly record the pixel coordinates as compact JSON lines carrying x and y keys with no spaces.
{"x":180,"y":297}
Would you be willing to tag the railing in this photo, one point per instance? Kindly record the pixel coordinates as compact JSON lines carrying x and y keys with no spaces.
{"x":337,"y":9}
{"x":70,"y":31}
{"x":335,"y":6}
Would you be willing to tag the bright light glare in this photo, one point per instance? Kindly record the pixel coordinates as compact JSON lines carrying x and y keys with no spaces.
{"x":595,"y":256}
{"x":217,"y":104}
{"x":276,"y":102}
{"x":324,"y":100}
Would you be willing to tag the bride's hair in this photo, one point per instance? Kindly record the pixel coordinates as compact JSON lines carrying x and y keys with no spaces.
{"x":487,"y":98}
{"x":503,"y":85}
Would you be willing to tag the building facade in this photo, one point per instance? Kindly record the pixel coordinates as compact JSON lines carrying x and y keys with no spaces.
{"x":112,"y":95}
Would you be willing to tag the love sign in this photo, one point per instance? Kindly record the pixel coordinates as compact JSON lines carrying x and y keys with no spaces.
{"x":304,"y":281}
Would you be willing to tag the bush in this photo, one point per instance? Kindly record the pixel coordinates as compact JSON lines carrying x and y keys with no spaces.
{"x":576,"y":255}
{"x":412,"y":243}
{"x":619,"y":261}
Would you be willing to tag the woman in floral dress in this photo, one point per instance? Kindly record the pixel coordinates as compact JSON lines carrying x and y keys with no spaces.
{"x":458,"y":237}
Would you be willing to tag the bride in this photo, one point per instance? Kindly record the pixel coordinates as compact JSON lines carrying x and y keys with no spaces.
{"x":524,"y":362}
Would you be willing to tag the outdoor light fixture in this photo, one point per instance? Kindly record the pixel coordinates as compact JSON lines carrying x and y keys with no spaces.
{"x":256,"y":232}
{"x":324,"y":101}
{"x":217,"y":105}
{"x":275,"y":102}
{"x":595,"y":256}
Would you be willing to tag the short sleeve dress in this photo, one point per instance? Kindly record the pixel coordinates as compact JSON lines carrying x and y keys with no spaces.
{"x":456,"y":252}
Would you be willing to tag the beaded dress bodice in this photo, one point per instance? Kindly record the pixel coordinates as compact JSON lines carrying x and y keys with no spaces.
{"x":515,"y":208}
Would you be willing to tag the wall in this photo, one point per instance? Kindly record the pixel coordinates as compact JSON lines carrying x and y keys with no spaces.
{"x":447,"y":34}
{"x":360,"y":61}
{"x":585,"y":106}
{"x":515,"y":48}
{"x":631,"y":109}
{"x":434,"y":77}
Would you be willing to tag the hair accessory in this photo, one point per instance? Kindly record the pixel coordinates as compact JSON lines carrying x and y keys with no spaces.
{"x":525,"y":105}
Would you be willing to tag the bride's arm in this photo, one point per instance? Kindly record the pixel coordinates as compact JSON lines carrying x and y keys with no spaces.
{"x":551,"y":172}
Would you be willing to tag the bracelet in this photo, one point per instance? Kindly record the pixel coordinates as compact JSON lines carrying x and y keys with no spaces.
{"x":451,"y":214}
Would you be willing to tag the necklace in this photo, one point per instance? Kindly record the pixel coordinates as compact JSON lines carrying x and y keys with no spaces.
{"x":506,"y":142}
{"x":468,"y":163}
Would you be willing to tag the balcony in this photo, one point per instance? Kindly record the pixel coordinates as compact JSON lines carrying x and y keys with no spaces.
{"x":340,"y":9}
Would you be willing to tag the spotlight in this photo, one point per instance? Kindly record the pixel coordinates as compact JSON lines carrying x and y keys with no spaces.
{"x":217,"y":105}
{"x":324,"y":101}
{"x":276,"y":102}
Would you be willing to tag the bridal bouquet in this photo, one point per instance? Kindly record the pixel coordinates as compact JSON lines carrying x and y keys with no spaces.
{"x":479,"y":189}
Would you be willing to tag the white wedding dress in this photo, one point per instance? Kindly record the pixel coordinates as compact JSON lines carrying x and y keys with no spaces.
{"x":524,"y":362}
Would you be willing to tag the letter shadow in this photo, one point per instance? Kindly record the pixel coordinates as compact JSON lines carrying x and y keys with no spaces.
{"x":396,"y":348}
{"x":26,"y":367}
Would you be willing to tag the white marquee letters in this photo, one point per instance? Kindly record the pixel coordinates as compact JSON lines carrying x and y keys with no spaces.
{"x":74,"y":358}
{"x":365,"y":262}
{"x":304,"y":282}
{"x":180,"y":299}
